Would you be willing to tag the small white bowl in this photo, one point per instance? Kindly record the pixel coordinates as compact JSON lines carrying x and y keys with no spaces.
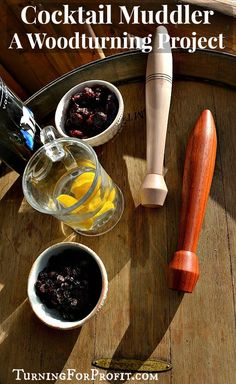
{"x":50,"y":316}
{"x":109,"y":132}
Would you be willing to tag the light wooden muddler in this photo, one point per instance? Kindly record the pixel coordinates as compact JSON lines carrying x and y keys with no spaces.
{"x":158,"y":95}
{"x":183,"y":270}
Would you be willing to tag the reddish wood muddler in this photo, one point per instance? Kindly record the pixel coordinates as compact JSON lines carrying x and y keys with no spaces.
{"x":183,"y":270}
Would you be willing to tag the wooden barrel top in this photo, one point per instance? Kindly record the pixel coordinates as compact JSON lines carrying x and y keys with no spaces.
{"x":142,"y":318}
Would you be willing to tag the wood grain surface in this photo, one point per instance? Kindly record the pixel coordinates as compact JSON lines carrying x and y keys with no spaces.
{"x":142,"y":318}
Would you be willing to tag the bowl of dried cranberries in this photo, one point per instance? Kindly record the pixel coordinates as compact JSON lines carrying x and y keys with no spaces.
{"x":67,"y":285}
{"x":91,"y":111}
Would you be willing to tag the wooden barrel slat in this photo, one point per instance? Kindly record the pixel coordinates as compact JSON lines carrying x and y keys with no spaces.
{"x":128,"y":67}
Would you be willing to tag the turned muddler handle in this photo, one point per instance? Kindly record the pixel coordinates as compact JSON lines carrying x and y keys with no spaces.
{"x":158,"y":95}
{"x":183,"y":270}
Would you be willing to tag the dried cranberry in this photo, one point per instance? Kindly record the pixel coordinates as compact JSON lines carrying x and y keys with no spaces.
{"x":76,"y":118}
{"x":76,"y":133}
{"x":88,"y":93}
{"x":111,"y":105}
{"x":99,"y":119}
{"x":90,"y":120}
{"x":84,"y":112}
{"x":76,"y":98}
{"x":42,"y":288}
{"x":60,"y":279}
{"x":98,"y":94}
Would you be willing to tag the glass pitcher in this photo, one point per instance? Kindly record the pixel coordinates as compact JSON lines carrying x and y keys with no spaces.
{"x":65,"y":179}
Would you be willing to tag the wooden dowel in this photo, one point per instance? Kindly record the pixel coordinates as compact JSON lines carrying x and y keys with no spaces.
{"x":93,"y":35}
{"x":225,"y":6}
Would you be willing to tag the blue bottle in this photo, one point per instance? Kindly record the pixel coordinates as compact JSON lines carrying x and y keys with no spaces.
{"x":19,"y":133}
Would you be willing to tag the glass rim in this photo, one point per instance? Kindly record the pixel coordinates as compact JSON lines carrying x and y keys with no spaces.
{"x":85,"y":197}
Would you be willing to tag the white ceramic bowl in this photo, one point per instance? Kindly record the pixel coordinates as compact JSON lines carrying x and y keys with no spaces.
{"x":50,"y":316}
{"x":107,"y":134}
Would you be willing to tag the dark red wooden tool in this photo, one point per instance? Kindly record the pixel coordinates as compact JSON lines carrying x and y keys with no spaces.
{"x":183,"y":270}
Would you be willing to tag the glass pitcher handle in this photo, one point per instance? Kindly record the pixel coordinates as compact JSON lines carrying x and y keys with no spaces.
{"x":54,"y":151}
{"x":47,"y":134}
